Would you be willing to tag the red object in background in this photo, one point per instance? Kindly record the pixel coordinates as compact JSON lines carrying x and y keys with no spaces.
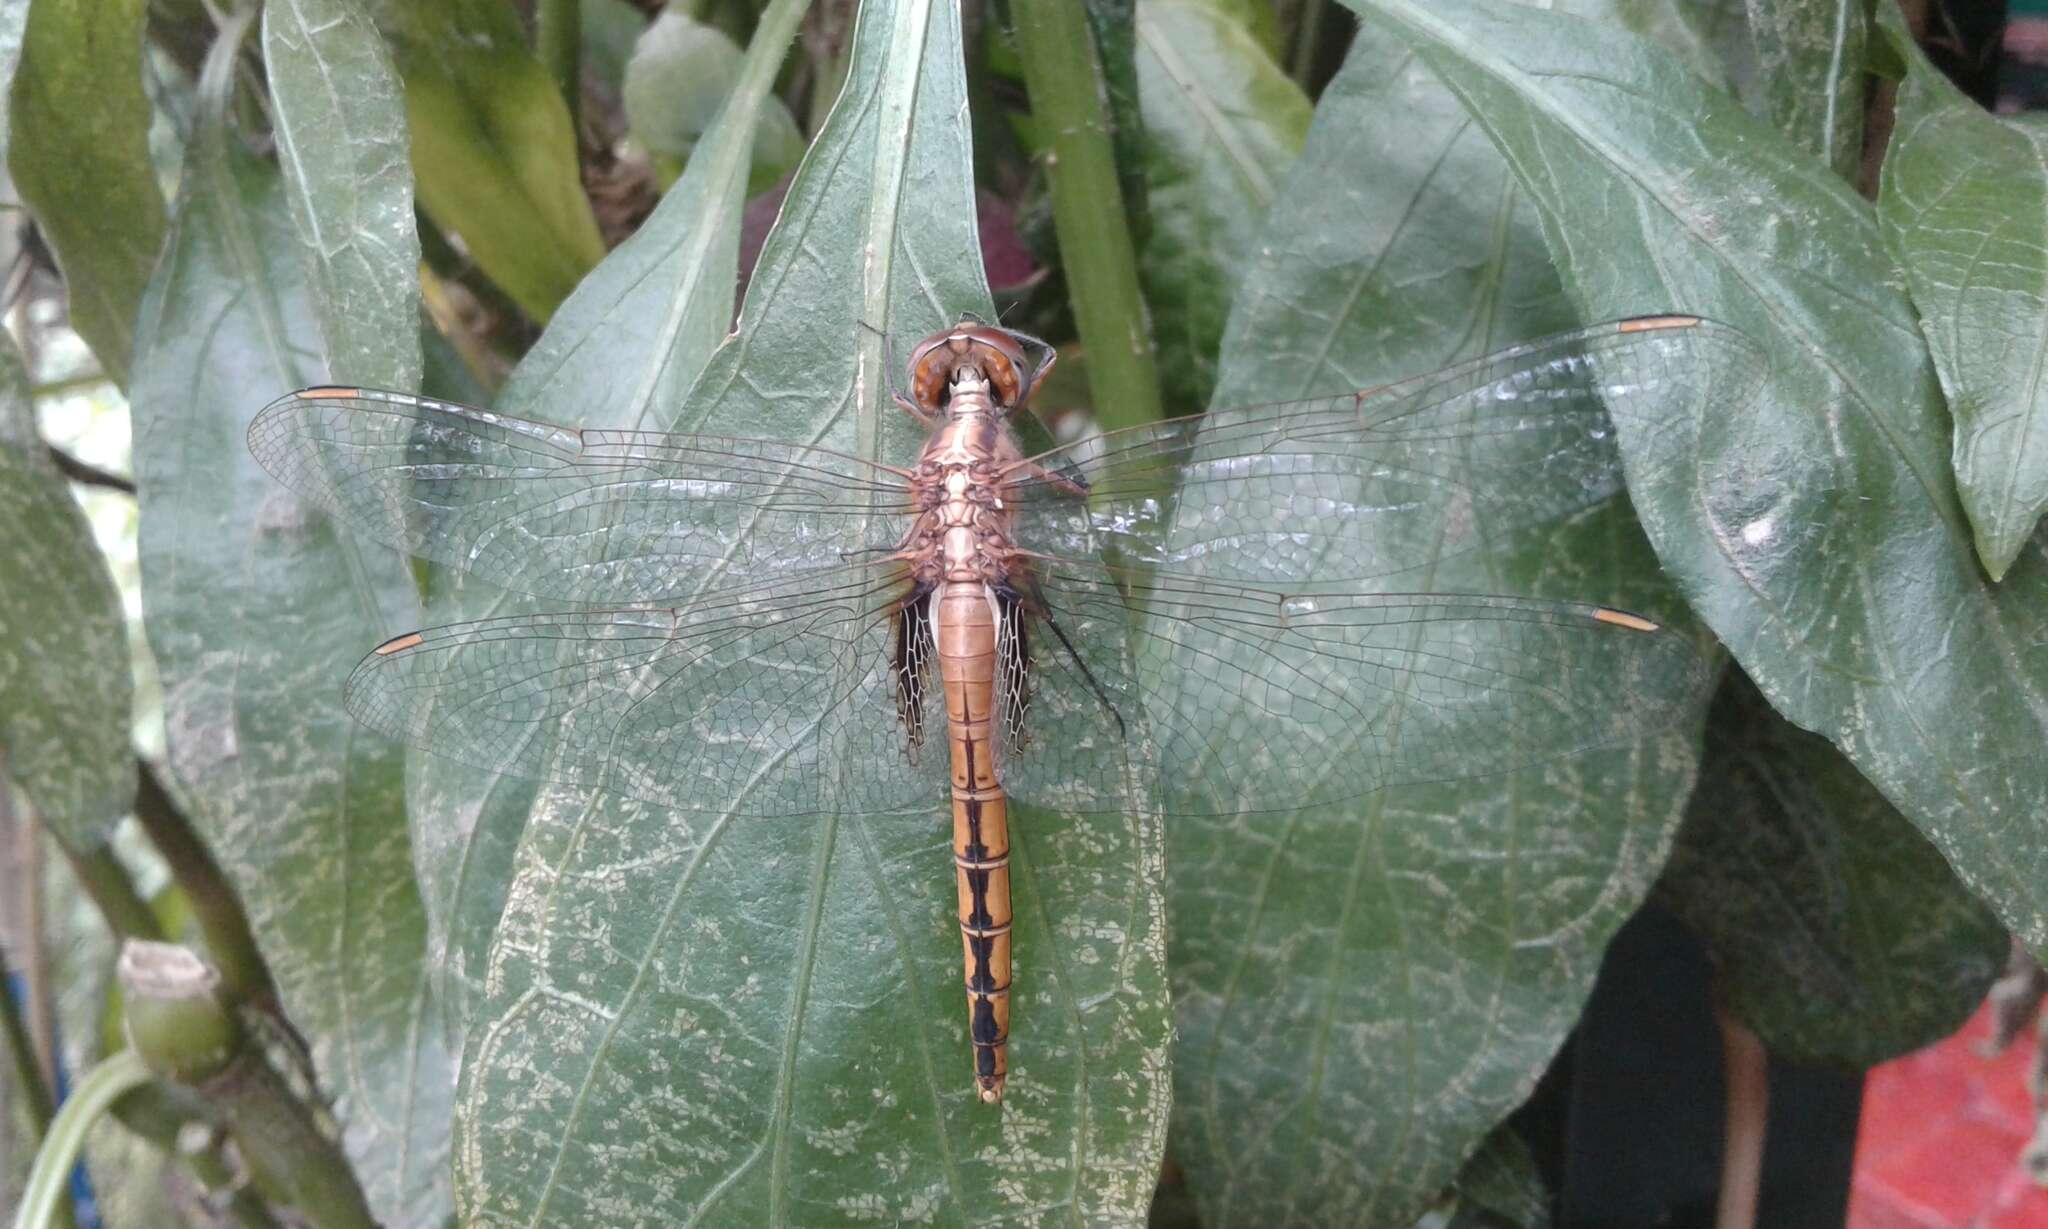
{"x":1939,"y":1143}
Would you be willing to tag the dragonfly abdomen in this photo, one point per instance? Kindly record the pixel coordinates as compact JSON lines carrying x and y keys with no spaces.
{"x":966,"y":638}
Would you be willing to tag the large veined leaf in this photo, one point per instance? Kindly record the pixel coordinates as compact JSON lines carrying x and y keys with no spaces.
{"x":1813,"y":522}
{"x":1838,"y":933}
{"x":1958,"y":199}
{"x":1222,"y":124}
{"x":621,"y":353}
{"x":493,"y":147}
{"x":1810,"y":64}
{"x":78,"y":149}
{"x":341,"y":139}
{"x":65,"y":686}
{"x":756,"y":1021}
{"x":254,"y":607}
{"x":1361,"y":995}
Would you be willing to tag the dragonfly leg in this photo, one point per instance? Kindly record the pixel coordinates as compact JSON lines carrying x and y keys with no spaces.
{"x":1035,"y":603}
{"x":1072,"y":484}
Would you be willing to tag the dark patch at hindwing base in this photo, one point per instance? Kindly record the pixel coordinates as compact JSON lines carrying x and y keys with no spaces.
{"x":1013,"y":667}
{"x":911,"y":661}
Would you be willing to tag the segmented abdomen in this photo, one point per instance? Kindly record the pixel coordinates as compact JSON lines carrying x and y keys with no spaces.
{"x":966,"y":638}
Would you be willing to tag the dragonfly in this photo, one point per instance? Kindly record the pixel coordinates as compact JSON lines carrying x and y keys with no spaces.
{"x":772,"y":629}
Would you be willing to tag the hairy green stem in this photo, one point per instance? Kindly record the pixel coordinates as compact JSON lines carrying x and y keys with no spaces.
{"x":1064,"y":77}
{"x":115,"y":1076}
{"x":215,"y":905}
{"x":558,"y":40}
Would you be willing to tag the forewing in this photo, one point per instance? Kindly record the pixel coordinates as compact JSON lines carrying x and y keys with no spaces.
{"x":1259,"y":700}
{"x":779,"y":699}
{"x":1377,"y":485}
{"x":602,"y":517}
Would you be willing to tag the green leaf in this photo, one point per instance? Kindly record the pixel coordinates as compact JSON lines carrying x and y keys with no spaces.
{"x":678,"y":79}
{"x":621,"y":354}
{"x":1500,"y":1187}
{"x":1362,"y":994}
{"x":1810,"y":61}
{"x":65,"y":686}
{"x":611,"y":29}
{"x":493,"y":148}
{"x":78,"y":132}
{"x":760,"y":1021}
{"x":1840,"y":935}
{"x":1223,"y":123}
{"x":342,"y":142}
{"x":1957,"y":189}
{"x":255,"y":607}
{"x":13,"y":25}
{"x":1712,"y":36}
{"x":1811,"y":519}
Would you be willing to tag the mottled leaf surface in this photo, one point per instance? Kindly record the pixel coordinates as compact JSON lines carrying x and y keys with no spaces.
{"x":65,"y":687}
{"x":78,"y":150}
{"x":493,"y":149}
{"x":1362,"y":994}
{"x":1810,"y":63}
{"x":341,"y":139}
{"x":255,"y":607}
{"x":1222,"y":124}
{"x":1839,"y":934}
{"x":622,"y":353}
{"x":1711,"y":36}
{"x":755,"y":1021}
{"x":1811,"y":519}
{"x":1961,"y":200}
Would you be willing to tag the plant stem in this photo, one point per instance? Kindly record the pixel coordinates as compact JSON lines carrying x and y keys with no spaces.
{"x":177,"y":1022}
{"x":28,"y":1076}
{"x":215,"y":905}
{"x":1308,"y":38}
{"x":106,"y":881}
{"x":28,"y":1072}
{"x":558,"y":39}
{"x":89,"y":475}
{"x":1746,"y":1070}
{"x":115,"y":1076}
{"x":1064,"y":77}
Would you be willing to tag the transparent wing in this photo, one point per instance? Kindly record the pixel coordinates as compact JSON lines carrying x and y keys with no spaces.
{"x":777,"y":699}
{"x":1262,"y":700}
{"x":782,"y":698}
{"x":1378,"y":484}
{"x":602,"y":517}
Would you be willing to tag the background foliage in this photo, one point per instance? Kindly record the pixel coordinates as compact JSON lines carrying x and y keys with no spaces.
{"x":478,"y":1000}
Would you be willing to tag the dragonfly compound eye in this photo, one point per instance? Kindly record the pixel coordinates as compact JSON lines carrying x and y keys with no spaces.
{"x":993,"y":352}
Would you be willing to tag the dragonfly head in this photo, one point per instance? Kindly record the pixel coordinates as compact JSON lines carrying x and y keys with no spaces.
{"x":995,"y":354}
